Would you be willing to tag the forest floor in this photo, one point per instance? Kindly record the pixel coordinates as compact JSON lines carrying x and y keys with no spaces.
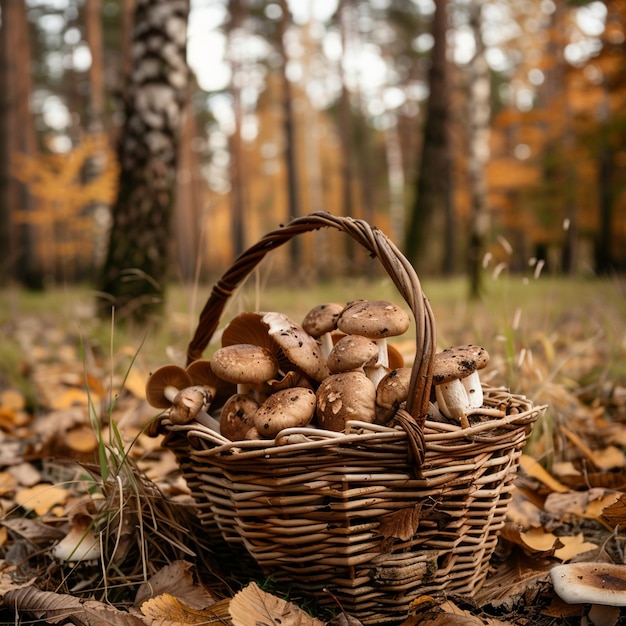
{"x":74,"y":455}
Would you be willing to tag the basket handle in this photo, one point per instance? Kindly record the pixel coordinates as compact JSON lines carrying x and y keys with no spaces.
{"x":380,"y":246}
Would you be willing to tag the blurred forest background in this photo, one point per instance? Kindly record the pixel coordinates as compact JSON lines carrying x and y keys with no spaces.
{"x":152,"y":140}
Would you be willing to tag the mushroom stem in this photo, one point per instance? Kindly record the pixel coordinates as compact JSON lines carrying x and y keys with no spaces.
{"x":170,"y":392}
{"x":383,"y":356}
{"x":453,"y":401}
{"x":326,"y":344}
{"x":474,"y":389}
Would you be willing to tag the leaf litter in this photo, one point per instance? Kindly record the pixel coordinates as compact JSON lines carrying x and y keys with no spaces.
{"x":569,"y":501}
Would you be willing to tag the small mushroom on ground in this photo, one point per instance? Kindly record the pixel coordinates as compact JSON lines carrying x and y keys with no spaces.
{"x":246,"y":365}
{"x":454,"y":397}
{"x":163,"y":385}
{"x":343,"y":397}
{"x":288,"y":408}
{"x":391,"y":393}
{"x":81,"y":543}
{"x":297,"y":345}
{"x":237,"y":416}
{"x":603,"y":585}
{"x":320,"y":322}
{"x":376,"y":320}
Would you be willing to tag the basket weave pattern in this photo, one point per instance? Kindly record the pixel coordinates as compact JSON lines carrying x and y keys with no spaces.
{"x":378,"y":515}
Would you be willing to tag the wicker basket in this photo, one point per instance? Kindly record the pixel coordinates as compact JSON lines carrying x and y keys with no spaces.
{"x":379,"y":515}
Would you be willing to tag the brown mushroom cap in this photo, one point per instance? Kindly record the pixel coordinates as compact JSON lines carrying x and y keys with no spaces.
{"x":376,"y":319}
{"x":346,"y":396}
{"x":458,"y":362}
{"x":202,"y":373}
{"x":297,"y":345}
{"x":168,"y":376}
{"x":322,"y":319}
{"x":244,"y":363}
{"x":285,"y":409}
{"x":352,"y":352}
{"x":393,"y":389}
{"x":188,"y":402}
{"x":237,"y":416}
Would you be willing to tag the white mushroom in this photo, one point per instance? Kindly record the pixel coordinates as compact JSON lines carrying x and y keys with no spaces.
{"x":81,"y":543}
{"x":454,"y":397}
{"x":603,"y":585}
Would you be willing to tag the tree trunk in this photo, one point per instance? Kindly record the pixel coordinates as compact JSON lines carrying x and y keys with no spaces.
{"x":17,"y":134}
{"x":479,"y":113}
{"x":136,"y":269}
{"x":291,"y":161}
{"x":432,"y":215}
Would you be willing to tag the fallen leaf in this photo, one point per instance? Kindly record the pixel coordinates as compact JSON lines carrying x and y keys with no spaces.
{"x":41,"y":498}
{"x":59,"y":608}
{"x":254,"y":607}
{"x":573,"y":546}
{"x":535,"y":470}
{"x":135,"y":382}
{"x":615,"y":514}
{"x":588,"y":504}
{"x":402,"y":524}
{"x":539,"y":540}
{"x":177,"y":580}
{"x":166,"y":610}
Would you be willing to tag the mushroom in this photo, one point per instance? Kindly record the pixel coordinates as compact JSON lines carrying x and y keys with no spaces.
{"x":288,"y":408}
{"x":81,"y":543}
{"x":193,"y":403}
{"x":450,"y":368}
{"x":320,"y":322}
{"x":375,"y":319}
{"x":164,"y":384}
{"x":246,"y":365}
{"x":345,"y":396}
{"x":237,"y":416}
{"x":298,"y":346}
{"x":391,"y":392}
{"x":202,"y":373}
{"x":603,"y":585}
{"x":352,"y":352}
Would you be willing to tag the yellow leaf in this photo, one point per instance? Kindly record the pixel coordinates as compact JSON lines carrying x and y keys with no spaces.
{"x":252,"y":606}
{"x":41,"y":498}
{"x":136,"y":383}
{"x":535,"y":470}
{"x":538,"y":539}
{"x":81,"y":439}
{"x":573,"y":546}
{"x":170,"y":611}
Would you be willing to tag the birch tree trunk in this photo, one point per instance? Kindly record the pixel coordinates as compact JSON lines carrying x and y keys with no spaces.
{"x":136,"y":268}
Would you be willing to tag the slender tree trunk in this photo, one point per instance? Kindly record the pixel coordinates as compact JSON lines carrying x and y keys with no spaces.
{"x":236,"y":9}
{"x":17,"y":254}
{"x":432,"y":215}
{"x":136,"y":269}
{"x":291,"y":161}
{"x":479,"y":113}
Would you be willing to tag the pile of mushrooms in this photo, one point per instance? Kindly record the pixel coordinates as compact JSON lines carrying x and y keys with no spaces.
{"x":273,"y":373}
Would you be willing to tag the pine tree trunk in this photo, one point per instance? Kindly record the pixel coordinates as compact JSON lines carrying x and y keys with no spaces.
{"x":136,"y":270}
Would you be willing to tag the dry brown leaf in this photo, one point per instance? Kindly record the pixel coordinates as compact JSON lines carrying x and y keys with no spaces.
{"x":254,"y":607}
{"x":58,"y":608}
{"x":402,"y":524}
{"x":166,"y":610}
{"x":81,"y":439}
{"x":615,"y":514}
{"x":588,"y":504}
{"x":539,"y":540}
{"x":136,"y":383}
{"x":41,"y":498}
{"x":609,"y":458}
{"x":177,"y":580}
{"x":573,"y":546}
{"x":535,"y":470}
